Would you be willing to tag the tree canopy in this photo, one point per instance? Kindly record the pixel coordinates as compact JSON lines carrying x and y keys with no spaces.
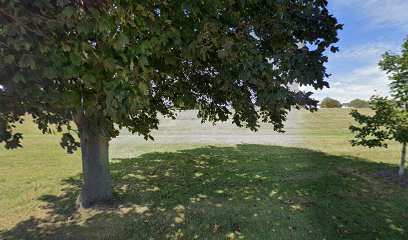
{"x":330,"y":103}
{"x":129,"y":60}
{"x":121,"y":63}
{"x":375,"y":130}
{"x":358,"y":103}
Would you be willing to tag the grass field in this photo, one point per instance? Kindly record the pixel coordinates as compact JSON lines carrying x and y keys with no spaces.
{"x":198,"y":181}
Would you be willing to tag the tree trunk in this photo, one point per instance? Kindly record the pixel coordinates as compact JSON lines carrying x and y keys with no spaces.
{"x":403,"y":159}
{"x":96,"y":188}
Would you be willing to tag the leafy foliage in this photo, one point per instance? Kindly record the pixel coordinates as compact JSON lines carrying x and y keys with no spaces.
{"x":6,"y":136}
{"x":330,"y":103}
{"x":123,"y":62}
{"x":358,"y":103}
{"x":390,"y":120}
{"x":375,"y":130}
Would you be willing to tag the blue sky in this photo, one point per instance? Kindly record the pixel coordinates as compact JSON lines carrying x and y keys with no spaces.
{"x":371,"y":27}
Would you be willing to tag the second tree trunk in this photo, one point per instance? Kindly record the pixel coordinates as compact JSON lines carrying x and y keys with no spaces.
{"x":403,"y":159}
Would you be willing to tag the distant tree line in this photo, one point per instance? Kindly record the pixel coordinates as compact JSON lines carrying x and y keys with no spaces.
{"x":358,"y":103}
{"x":333,"y":103}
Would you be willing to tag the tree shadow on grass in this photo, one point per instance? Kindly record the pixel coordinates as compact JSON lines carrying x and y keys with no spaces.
{"x":247,"y":191}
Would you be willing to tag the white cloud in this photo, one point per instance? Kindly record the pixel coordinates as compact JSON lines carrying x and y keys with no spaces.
{"x":360,"y":83}
{"x":355,"y":73}
{"x":366,"y":51}
{"x":380,"y":13}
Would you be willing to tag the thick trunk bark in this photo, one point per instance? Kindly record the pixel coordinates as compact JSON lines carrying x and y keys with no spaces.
{"x":403,"y":159}
{"x":96,"y":188}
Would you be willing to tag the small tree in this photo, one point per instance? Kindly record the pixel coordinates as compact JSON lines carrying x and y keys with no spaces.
{"x":358,"y":103}
{"x":390,"y":119}
{"x":330,"y":103}
{"x":111,"y":64}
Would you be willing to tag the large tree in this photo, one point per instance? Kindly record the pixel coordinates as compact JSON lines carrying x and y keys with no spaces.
{"x":390,"y":118}
{"x":330,"y":103}
{"x":112,"y":64}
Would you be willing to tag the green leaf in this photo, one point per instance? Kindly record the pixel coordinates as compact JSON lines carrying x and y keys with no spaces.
{"x":43,"y":48}
{"x":104,"y":25}
{"x":9,"y":59}
{"x":143,"y":47}
{"x":139,"y":7}
{"x":95,"y":13}
{"x":110,"y":64}
{"x":141,"y":10}
{"x":143,"y":61}
{"x":132,"y":65}
{"x":69,"y":72}
{"x":88,"y":78}
{"x":143,"y":88}
{"x":26,"y":61}
{"x":85,"y":26}
{"x":169,"y":61}
{"x":49,"y":72}
{"x":68,"y":12}
{"x":18,"y":78}
{"x":334,"y":49}
{"x":123,"y":39}
{"x":76,"y":59}
{"x":65,"y":47}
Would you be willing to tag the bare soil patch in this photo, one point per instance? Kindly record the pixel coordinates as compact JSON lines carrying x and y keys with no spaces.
{"x":393,"y":177}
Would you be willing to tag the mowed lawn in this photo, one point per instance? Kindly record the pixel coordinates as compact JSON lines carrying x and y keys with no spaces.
{"x":198,"y":181}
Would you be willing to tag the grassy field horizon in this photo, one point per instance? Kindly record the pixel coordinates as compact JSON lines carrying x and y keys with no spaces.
{"x":199,"y":181}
